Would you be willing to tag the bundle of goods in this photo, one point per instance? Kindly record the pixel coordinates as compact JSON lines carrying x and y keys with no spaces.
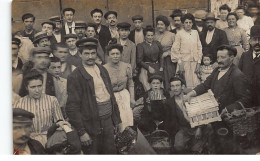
{"x":203,"y":109}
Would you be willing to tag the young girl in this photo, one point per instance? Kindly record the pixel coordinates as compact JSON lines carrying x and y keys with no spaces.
{"x":206,"y":69}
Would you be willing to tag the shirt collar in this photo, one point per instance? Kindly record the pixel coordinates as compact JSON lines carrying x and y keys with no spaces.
{"x":254,"y":54}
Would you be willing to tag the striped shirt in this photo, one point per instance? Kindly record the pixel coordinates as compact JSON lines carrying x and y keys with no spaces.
{"x":46,"y":110}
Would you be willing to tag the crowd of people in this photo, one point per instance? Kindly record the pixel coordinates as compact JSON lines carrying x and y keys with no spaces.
{"x":77,"y":85}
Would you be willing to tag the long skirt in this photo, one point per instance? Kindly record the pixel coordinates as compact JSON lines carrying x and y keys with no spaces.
{"x":169,"y":70}
{"x":240,"y":51}
{"x":190,"y":76}
{"x":126,"y":113}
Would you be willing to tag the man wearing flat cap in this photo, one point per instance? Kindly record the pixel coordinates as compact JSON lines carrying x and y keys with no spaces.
{"x":212,"y":37}
{"x":250,"y":64}
{"x":73,"y":57}
{"x":42,"y":39}
{"x":28,"y":21}
{"x":22,"y":129}
{"x":48,"y":27}
{"x":91,"y":106}
{"x":69,"y":25}
{"x":129,"y":48}
{"x":80,"y":29}
{"x":58,"y":27}
{"x":230,"y":87}
{"x":103,"y":32}
{"x":111,"y":19}
{"x":137,"y":34}
{"x":46,"y":108}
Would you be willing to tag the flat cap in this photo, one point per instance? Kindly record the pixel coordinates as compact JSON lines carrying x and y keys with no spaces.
{"x":16,"y":41}
{"x":40,"y":35}
{"x":123,"y":25}
{"x":199,"y":15}
{"x":137,"y":17}
{"x":155,"y":76}
{"x":70,"y":36}
{"x":80,"y":24}
{"x":50,"y":23}
{"x":22,"y":116}
{"x":110,"y":12}
{"x":210,"y":16}
{"x":68,"y":9}
{"x":255,"y":31}
{"x":55,"y":19}
{"x":87,"y":42}
{"x":38,"y":50}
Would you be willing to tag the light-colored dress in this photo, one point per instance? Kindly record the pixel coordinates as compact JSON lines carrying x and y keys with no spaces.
{"x":221,"y":24}
{"x":238,"y":39}
{"x":121,"y":78}
{"x":187,"y":51}
{"x":169,"y":68}
{"x":205,"y":71}
{"x":246,"y":23}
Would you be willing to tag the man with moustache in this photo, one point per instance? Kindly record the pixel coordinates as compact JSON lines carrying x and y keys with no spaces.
{"x":103,"y":32}
{"x":80,"y":29}
{"x":111,"y":17}
{"x":212,"y":37}
{"x":231,"y":88}
{"x":28,"y":21}
{"x":176,"y":18}
{"x":57,"y":31}
{"x":91,"y":106}
{"x":22,"y":129}
{"x":250,"y":64}
{"x":42,"y":39}
{"x":137,"y":35}
{"x":69,"y":25}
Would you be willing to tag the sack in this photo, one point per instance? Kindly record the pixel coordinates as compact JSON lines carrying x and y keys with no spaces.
{"x":57,"y":141}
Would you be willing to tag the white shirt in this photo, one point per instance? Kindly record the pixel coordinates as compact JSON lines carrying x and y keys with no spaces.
{"x":139,"y":37}
{"x":57,"y":37}
{"x":99,"y":28}
{"x":222,"y":72}
{"x":101,"y":92}
{"x":209,"y":36}
{"x":67,"y":28}
{"x":246,"y":23}
{"x":114,"y":32}
{"x":254,"y":55}
{"x":73,"y":52}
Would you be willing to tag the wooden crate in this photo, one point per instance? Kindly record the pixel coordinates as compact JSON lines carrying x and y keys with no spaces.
{"x":203,"y":109}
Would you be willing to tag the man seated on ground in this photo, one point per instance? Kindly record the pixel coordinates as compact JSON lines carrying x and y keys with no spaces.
{"x":22,"y":129}
{"x":45,"y":107}
{"x":187,"y":139}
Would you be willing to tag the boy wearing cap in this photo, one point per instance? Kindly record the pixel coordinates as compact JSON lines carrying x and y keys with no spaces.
{"x":22,"y":129}
{"x":103,"y":32}
{"x":212,"y":37}
{"x":111,"y":19}
{"x":250,"y":64}
{"x":28,"y":21}
{"x":91,"y":106}
{"x":69,"y":25}
{"x":73,"y":56}
{"x":45,"y":107}
{"x":137,"y":35}
{"x":57,"y":31}
{"x":129,"y":48}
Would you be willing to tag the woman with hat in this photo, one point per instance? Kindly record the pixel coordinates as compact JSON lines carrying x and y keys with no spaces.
{"x":149,"y":57}
{"x":236,"y":36}
{"x":123,"y":86}
{"x":166,"y":38}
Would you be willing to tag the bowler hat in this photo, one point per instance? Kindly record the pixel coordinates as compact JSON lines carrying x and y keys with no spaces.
{"x":110,"y":12}
{"x":40,"y":35}
{"x":87,"y":42}
{"x":22,"y":116}
{"x":255,"y":31}
{"x":123,"y":25}
{"x":210,"y":16}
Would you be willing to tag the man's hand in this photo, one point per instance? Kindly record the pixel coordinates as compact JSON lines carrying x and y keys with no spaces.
{"x":198,"y":133}
{"x":151,"y":70}
{"x":85,"y":140}
{"x":132,"y":103}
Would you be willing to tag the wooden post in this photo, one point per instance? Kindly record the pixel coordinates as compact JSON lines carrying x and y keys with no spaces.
{"x":61,"y":14}
{"x":153,"y":12}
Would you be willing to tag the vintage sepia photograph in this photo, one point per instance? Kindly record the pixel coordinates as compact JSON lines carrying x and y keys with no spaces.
{"x":121,"y":77}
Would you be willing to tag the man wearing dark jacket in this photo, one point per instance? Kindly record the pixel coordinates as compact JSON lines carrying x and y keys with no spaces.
{"x":137,"y":35}
{"x":212,"y":37}
{"x":103,"y":32}
{"x":91,"y":105}
{"x":22,"y":128}
{"x":250,"y":64}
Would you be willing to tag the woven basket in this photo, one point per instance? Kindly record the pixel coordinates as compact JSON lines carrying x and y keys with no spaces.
{"x":159,"y":140}
{"x":241,"y":125}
